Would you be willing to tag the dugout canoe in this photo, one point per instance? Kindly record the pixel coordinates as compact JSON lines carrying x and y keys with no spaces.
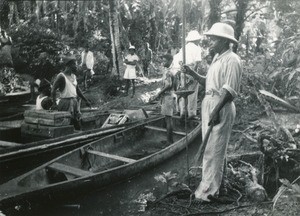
{"x":18,"y":158}
{"x":99,"y":163}
{"x":20,"y":96}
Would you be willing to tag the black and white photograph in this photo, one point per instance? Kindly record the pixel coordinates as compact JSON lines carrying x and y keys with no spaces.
{"x":149,"y":107}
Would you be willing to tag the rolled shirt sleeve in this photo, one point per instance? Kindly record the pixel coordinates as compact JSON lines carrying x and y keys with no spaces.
{"x":233,"y":75}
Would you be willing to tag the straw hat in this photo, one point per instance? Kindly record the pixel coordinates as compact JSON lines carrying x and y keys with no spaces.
{"x":132,"y":47}
{"x":193,"y":36}
{"x":222,"y":30}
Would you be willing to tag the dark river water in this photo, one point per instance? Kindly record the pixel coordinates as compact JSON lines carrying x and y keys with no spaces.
{"x":122,"y":198}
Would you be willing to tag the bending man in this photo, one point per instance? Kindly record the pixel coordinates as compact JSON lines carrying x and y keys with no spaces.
{"x":67,"y":85}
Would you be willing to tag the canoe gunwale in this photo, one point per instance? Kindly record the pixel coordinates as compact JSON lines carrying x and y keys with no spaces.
{"x":62,"y":142}
{"x":105,"y":177}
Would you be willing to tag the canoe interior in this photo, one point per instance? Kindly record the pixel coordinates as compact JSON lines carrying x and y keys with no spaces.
{"x":10,"y":130}
{"x":18,"y":160}
{"x":108,"y":153}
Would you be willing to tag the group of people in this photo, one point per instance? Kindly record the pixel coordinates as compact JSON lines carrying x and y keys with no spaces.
{"x":222,"y":82}
{"x":67,"y":86}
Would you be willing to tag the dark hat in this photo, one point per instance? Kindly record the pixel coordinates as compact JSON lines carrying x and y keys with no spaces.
{"x":44,"y":85}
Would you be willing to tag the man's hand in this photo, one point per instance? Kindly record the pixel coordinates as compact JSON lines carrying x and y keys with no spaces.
{"x":214,"y":118}
{"x":187,"y":70}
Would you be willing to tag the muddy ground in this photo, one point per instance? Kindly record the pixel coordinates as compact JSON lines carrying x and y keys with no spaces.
{"x":248,"y":116}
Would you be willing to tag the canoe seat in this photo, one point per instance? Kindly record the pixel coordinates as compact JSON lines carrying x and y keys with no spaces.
{"x":69,"y":170}
{"x":115,"y":157}
{"x":164,"y":130}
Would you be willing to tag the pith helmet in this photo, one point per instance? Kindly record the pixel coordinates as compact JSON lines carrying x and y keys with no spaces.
{"x":132,"y":47}
{"x":222,"y":30}
{"x":193,"y":36}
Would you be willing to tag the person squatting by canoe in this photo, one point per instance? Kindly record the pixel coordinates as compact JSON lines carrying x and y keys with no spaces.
{"x":193,"y":58}
{"x":44,"y":100}
{"x":131,"y":61}
{"x":67,"y":85}
{"x":222,"y":85}
{"x":168,"y":99}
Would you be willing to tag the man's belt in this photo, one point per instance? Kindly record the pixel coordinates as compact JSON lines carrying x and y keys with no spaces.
{"x":212,"y":92}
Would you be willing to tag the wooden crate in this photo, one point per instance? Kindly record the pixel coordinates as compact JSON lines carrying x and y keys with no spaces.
{"x":93,"y":119}
{"x":47,"y":118}
{"x":45,"y":131}
{"x":134,"y":115}
{"x":115,"y":119}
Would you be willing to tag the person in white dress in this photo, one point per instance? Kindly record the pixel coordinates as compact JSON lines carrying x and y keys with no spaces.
{"x":131,"y":61}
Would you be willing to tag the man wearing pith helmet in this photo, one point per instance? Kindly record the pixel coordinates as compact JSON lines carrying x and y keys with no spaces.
{"x":222,"y":84}
{"x":193,"y":57}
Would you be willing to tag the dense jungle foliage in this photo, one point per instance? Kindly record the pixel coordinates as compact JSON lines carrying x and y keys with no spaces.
{"x":267,"y":30}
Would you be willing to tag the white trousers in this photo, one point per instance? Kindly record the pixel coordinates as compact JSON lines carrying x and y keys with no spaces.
{"x":216,"y":148}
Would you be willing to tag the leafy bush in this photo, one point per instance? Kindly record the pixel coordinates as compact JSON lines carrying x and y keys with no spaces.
{"x":39,"y":50}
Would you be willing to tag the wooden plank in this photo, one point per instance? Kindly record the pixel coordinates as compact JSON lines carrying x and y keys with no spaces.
{"x":69,"y":170}
{"x":9,"y":144}
{"x":46,"y":114}
{"x":115,"y":157}
{"x":11,"y":124}
{"x":49,"y":122}
{"x":46,"y":131}
{"x":164,"y":130}
{"x":189,"y":120}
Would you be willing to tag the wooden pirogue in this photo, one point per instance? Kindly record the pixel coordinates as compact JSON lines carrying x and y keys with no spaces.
{"x":18,"y":158}
{"x":99,"y":163}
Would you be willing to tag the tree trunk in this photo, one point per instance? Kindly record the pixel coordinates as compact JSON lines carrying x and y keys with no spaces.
{"x":4,"y":12}
{"x":115,"y":36}
{"x":215,"y":12}
{"x":241,"y":6}
{"x":58,"y":17}
{"x":39,"y":10}
{"x":21,"y":9}
{"x":204,"y":13}
{"x":82,"y":13}
{"x":33,"y":6}
{"x":153,"y":27}
{"x":13,"y":15}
